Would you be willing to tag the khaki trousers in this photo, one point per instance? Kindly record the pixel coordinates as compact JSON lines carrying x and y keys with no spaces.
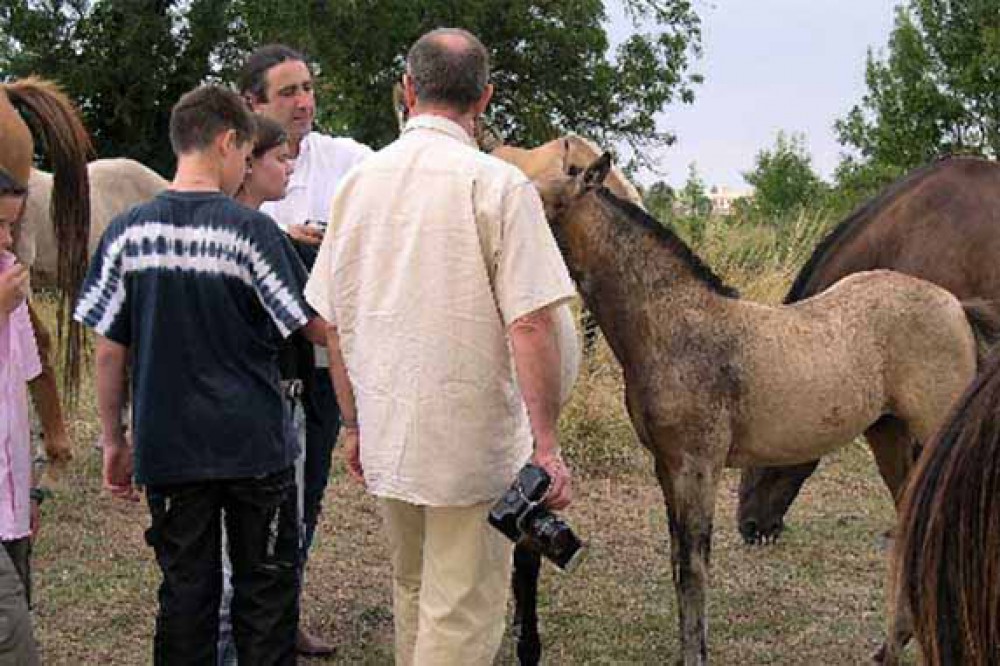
{"x":451,"y":579}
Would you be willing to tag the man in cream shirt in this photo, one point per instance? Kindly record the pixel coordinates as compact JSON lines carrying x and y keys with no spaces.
{"x":439,"y":277}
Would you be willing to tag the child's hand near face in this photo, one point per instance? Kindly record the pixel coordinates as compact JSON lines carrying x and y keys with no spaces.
{"x":13,"y":287}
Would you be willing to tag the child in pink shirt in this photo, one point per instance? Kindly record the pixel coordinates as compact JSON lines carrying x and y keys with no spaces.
{"x":19,"y":362}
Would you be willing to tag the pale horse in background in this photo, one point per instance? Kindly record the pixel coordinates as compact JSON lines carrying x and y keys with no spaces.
{"x":115,"y":186}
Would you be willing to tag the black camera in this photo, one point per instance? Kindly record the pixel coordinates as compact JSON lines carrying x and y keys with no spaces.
{"x":519,"y":514}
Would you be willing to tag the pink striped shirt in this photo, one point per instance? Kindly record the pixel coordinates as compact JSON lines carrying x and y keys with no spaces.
{"x":19,"y":363}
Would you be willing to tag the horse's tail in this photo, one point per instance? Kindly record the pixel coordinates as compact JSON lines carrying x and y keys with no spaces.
{"x":54,"y":118}
{"x":947,"y":560}
{"x":984,"y":317}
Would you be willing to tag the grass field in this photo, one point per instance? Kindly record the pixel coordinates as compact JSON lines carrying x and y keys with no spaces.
{"x":816,"y":597}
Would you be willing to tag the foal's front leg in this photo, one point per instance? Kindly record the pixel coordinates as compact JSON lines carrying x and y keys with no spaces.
{"x":689,"y":492}
{"x":527,"y":565}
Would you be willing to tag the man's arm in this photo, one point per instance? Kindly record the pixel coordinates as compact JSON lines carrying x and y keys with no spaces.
{"x":348,"y":406}
{"x":112,"y":360}
{"x":536,"y":358}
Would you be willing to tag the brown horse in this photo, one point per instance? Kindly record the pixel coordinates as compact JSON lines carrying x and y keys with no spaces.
{"x":942,"y":224}
{"x":52,"y":117}
{"x":948,"y":552}
{"x":713,"y":381}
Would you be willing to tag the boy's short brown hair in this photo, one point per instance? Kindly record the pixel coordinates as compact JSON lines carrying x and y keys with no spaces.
{"x":203,"y":113}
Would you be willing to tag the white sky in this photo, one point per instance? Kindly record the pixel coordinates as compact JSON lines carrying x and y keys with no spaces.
{"x":769,"y":65}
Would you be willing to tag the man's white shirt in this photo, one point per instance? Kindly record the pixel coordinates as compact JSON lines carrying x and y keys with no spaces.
{"x":322,"y":162}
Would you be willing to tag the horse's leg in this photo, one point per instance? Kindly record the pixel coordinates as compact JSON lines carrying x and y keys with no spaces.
{"x":527,"y":566}
{"x":895,"y":451}
{"x":45,"y":395}
{"x":689,"y":491}
{"x":894,"y":448}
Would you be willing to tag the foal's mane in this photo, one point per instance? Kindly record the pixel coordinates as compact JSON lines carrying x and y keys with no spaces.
{"x":667,"y":238}
{"x":858,"y":220}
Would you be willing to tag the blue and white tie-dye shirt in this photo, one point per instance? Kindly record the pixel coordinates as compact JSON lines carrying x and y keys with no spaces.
{"x":201,"y":290}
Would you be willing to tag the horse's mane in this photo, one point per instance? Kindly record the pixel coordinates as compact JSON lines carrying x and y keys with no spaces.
{"x":949,"y":532}
{"x":858,"y":220}
{"x":669,"y":239}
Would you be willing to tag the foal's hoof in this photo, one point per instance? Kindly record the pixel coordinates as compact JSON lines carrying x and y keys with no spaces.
{"x":883,"y":656}
{"x":58,"y":452}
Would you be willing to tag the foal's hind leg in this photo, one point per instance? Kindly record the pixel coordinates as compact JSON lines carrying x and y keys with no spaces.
{"x":895,"y":451}
{"x":527,"y":565}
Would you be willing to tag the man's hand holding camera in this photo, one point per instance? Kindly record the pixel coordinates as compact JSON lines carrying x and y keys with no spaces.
{"x":560,"y":493}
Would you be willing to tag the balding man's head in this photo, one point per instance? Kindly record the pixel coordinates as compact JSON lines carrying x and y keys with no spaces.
{"x":449,"y":67}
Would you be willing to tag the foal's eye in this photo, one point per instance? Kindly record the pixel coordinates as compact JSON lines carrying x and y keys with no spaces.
{"x":575,"y":171}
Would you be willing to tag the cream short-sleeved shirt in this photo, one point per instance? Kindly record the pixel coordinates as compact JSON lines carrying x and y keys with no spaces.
{"x":433,"y":250}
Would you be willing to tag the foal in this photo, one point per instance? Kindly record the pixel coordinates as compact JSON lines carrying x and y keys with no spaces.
{"x":714,"y":381}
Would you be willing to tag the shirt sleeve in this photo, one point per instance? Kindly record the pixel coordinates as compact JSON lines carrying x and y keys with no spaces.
{"x":279,"y":278}
{"x":318,"y":287}
{"x":530,"y":272}
{"x":104,"y":304}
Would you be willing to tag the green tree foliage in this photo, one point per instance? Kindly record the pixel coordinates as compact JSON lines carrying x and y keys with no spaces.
{"x":127,"y":61}
{"x":783,"y":180}
{"x":937,"y":91}
{"x":692,"y":197}
{"x":659,"y":200}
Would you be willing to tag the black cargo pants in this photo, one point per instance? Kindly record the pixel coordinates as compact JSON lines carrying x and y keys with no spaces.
{"x":262,"y":525}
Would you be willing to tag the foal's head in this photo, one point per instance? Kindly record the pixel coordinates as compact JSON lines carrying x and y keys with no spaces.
{"x":566,"y":188}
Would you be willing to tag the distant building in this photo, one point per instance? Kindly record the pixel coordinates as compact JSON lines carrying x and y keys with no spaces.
{"x":723,"y":198}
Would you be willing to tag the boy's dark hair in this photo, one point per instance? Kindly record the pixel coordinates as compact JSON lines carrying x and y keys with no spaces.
{"x":270,"y":134}
{"x":252,"y":79}
{"x":203,"y":113}
{"x":9,"y":186}
{"x":442,"y":74}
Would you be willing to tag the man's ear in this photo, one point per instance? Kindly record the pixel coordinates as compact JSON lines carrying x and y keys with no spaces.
{"x":595,"y":174}
{"x":480,"y":105}
{"x":409,"y":93}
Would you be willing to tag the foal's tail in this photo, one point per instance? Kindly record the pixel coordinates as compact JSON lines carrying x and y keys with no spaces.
{"x":53,"y":118}
{"x":984,"y":317}
{"x":948,"y":554}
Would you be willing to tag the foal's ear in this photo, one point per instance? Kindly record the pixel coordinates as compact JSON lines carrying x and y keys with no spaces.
{"x":595,"y":174}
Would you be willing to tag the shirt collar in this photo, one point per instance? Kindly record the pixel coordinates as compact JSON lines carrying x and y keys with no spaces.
{"x":303,"y":147}
{"x":439,"y":124}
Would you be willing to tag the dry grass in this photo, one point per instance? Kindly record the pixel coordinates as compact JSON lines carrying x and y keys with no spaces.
{"x":815,"y":597}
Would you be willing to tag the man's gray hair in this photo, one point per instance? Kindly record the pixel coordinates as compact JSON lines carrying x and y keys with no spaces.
{"x":444,"y":74}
